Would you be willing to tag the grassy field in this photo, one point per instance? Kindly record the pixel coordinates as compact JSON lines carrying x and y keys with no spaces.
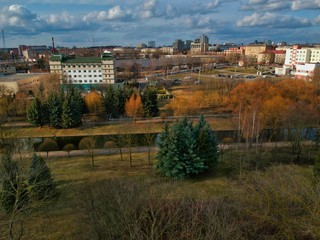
{"x":62,"y":218}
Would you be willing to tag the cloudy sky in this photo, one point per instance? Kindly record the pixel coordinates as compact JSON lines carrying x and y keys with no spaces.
{"x":128,"y":22}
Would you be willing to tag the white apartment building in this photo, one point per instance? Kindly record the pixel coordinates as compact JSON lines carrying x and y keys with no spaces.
{"x":297,"y":55}
{"x":84,"y":70}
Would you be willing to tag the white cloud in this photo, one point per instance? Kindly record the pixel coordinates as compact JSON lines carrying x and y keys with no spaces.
{"x":16,"y":16}
{"x":273,"y":20}
{"x":266,"y":5}
{"x":148,"y":9}
{"x":305,"y":4}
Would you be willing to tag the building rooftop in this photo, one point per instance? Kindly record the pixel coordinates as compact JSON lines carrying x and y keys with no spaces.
{"x":74,"y":59}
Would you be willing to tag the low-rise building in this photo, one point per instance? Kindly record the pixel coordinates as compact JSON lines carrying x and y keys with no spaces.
{"x":306,"y":71}
{"x":84,"y":70}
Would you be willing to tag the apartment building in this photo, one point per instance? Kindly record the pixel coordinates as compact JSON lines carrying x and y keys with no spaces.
{"x":200,"y":45}
{"x":84,"y":70}
{"x":297,"y":55}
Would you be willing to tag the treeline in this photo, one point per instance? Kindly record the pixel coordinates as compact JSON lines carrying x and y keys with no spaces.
{"x":65,"y":108}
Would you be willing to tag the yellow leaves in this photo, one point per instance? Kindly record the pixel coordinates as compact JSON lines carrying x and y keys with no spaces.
{"x":93,"y":101}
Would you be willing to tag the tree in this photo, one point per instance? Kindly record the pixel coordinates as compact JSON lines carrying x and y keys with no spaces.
{"x":121,"y":97}
{"x":40,"y":180}
{"x":66,"y":116}
{"x":182,"y":149}
{"x":134,"y":107}
{"x":150,"y":103}
{"x":68,"y":148}
{"x":48,"y":145}
{"x":55,"y":110}
{"x":14,"y":195}
{"x":206,"y":142}
{"x":110,"y":102}
{"x":89,"y":144}
{"x":35,"y":113}
{"x":93,"y":101}
{"x":148,"y":139}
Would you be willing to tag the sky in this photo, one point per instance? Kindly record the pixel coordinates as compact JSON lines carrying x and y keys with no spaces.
{"x":85,"y":23}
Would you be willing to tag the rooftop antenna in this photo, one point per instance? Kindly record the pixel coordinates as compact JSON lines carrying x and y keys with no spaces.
{"x":3,"y":39}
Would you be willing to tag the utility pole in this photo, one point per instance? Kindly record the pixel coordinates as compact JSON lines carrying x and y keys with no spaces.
{"x":3,"y":39}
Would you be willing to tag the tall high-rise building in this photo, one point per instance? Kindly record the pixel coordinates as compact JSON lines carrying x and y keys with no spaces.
{"x":151,"y":44}
{"x":178,"y":45}
{"x":204,"y":39}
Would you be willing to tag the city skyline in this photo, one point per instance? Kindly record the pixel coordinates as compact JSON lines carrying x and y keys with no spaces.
{"x":86,"y":23}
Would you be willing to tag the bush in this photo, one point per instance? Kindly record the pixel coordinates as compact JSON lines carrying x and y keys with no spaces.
{"x":48,"y":145}
{"x":126,"y":209}
{"x":69,"y":147}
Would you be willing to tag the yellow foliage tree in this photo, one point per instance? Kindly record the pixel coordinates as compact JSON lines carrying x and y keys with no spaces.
{"x":93,"y":101}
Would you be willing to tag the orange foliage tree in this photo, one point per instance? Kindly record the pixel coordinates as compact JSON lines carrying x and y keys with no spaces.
{"x":293,"y":104}
{"x":134,"y":106}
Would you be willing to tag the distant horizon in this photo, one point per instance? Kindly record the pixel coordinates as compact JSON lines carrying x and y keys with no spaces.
{"x":85,"y":23}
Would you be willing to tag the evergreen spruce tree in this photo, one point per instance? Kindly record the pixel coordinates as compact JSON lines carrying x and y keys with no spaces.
{"x":182,"y":149}
{"x":34,"y":113}
{"x":14,"y":194}
{"x":109,"y":102}
{"x":121,"y":97}
{"x":76,"y":114}
{"x":40,"y":179}
{"x":55,"y":110}
{"x":150,"y":103}
{"x":66,"y":116}
{"x":168,"y":160}
{"x":206,"y":142}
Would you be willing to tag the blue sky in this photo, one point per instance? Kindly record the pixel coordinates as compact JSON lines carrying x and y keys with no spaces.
{"x":129,"y":22}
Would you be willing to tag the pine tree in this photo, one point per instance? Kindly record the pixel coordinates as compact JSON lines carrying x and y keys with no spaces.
{"x":40,"y":179}
{"x":35,"y":113}
{"x":109,"y":102}
{"x":182,"y":149}
{"x":67,"y":115}
{"x":14,"y":195}
{"x":206,"y":142}
{"x":121,"y":98}
{"x":55,"y":110}
{"x":150,"y":103}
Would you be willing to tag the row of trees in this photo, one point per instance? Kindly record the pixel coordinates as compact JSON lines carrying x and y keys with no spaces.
{"x":119,"y":103}
{"x":290,"y":104}
{"x":60,"y":110}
